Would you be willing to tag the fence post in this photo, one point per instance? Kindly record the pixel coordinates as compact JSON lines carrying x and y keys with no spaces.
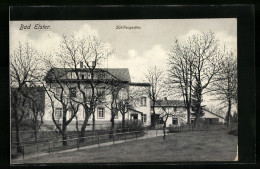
{"x":125,"y":137}
{"x":78,"y":143}
{"x":98,"y":139}
{"x":136,"y":136}
{"x":156,"y":132}
{"x":49,"y":146}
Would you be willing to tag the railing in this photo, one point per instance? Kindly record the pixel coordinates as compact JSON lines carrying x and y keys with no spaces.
{"x":32,"y":147}
{"x":70,"y":134}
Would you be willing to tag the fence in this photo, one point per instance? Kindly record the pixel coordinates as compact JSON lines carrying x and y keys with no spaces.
{"x":26,"y":136}
{"x":34,"y":147}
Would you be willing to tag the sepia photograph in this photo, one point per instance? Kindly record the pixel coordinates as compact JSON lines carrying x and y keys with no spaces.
{"x":116,"y":91}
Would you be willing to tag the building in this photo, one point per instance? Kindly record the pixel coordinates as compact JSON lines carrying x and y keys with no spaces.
{"x":178,"y":113}
{"x":66,"y":83}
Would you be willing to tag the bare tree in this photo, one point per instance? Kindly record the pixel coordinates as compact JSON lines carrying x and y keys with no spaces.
{"x":155,"y":78}
{"x":116,"y":89}
{"x":23,"y":69}
{"x":225,"y":88}
{"x":205,"y":65}
{"x":180,"y":74}
{"x":198,"y":62}
{"x":34,"y":120}
{"x":59,"y":92}
{"x":167,"y":109}
{"x":89,"y":53}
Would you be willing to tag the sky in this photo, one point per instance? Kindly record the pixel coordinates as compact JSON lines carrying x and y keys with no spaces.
{"x":136,"y":49}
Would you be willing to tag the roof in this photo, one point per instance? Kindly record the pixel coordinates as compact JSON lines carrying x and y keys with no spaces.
{"x":213,"y":113}
{"x":135,"y":110}
{"x":168,"y":103}
{"x":121,"y":74}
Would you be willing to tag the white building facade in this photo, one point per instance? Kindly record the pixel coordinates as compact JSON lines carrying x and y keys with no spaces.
{"x":141,"y":110}
{"x":178,"y":114}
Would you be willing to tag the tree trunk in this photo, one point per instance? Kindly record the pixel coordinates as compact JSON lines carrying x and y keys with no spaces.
{"x":64,"y":127}
{"x":164,"y":133}
{"x":188,"y":115}
{"x":64,"y":134}
{"x":229,"y":112}
{"x":153,"y":121}
{"x":16,"y":121}
{"x":64,"y":138}
{"x":17,"y":132}
{"x":35,"y":133}
{"x":112,"y":120}
{"x":83,"y":127}
{"x":123,"y":121}
{"x":93,"y":123}
{"x":198,"y":111}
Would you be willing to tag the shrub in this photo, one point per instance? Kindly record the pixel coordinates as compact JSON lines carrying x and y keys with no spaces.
{"x":132,"y":125}
{"x":234,"y":130}
{"x":174,"y":129}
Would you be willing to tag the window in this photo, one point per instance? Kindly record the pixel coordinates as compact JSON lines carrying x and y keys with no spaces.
{"x":143,"y":101}
{"x":58,"y":112}
{"x":73,"y":75}
{"x":88,"y":75}
{"x":144,"y":118}
{"x":73,"y":92}
{"x":100,"y":91}
{"x":175,"y":121}
{"x":101,"y":112}
{"x":58,"y":91}
{"x":82,"y":76}
{"x":70,"y":113}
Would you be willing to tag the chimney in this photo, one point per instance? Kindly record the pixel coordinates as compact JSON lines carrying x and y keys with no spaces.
{"x":165,"y":98}
{"x":81,"y":65}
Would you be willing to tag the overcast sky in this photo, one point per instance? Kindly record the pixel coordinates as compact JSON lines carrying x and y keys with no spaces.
{"x":136,"y":49}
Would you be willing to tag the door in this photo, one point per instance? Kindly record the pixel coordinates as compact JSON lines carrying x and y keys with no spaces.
{"x":134,"y":116}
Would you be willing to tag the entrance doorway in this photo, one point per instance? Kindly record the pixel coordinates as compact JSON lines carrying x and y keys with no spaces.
{"x":134,"y":116}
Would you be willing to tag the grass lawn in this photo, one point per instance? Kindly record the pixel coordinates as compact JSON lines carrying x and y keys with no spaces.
{"x":184,"y":146}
